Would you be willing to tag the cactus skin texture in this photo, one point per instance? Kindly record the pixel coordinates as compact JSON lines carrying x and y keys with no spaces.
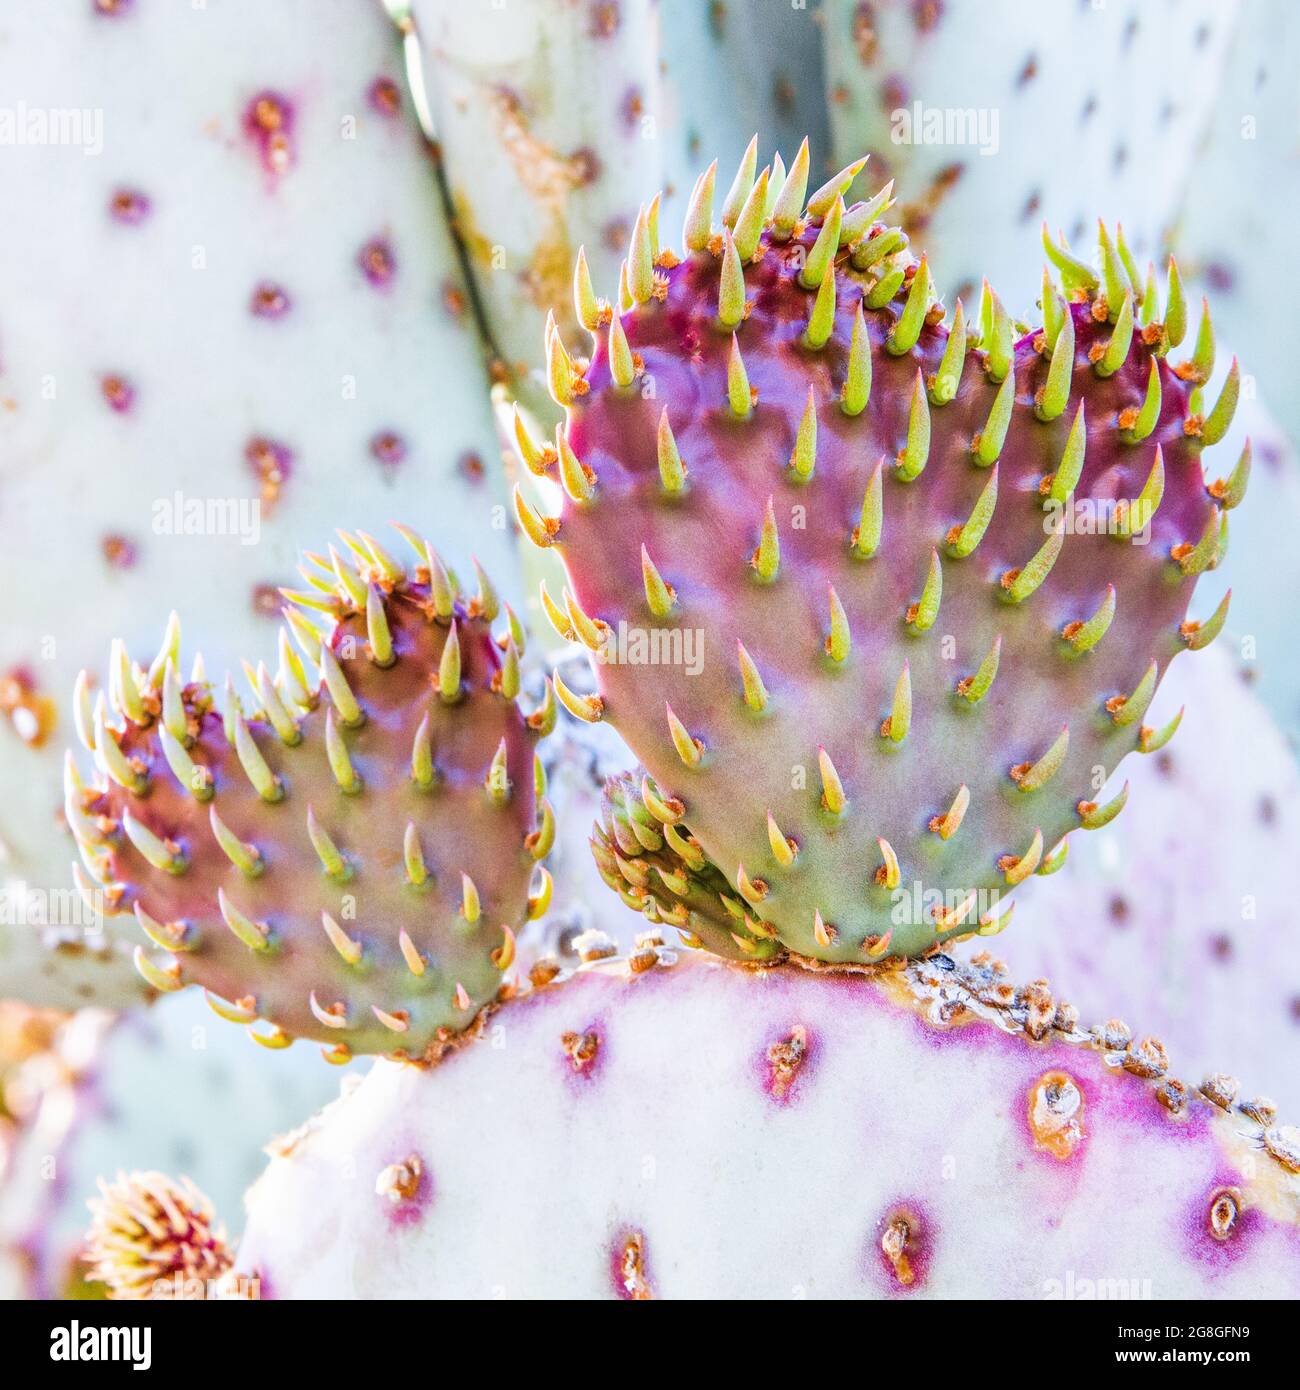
{"x":980,"y":1165}
{"x":730,"y":69}
{"x":545,"y":114}
{"x":834,"y":612}
{"x":1251,"y":145}
{"x":1066,"y":97}
{"x":355,"y":862}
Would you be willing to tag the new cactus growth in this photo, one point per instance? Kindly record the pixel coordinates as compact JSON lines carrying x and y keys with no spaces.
{"x":877,"y":608}
{"x":345,"y":851}
{"x":879,"y":592}
{"x":88,"y":1106}
{"x":965,"y":1137}
{"x":151,"y":1233}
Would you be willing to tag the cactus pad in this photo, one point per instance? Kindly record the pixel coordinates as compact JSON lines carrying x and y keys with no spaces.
{"x":962,"y":1137}
{"x":878,"y":609}
{"x":350,"y":858}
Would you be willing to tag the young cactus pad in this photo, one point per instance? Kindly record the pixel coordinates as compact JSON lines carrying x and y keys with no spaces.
{"x":878,"y":609}
{"x":964,"y":1137}
{"x":349,"y":856}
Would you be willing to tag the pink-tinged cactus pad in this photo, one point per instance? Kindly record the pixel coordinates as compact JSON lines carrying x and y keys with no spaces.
{"x":349,"y":856}
{"x":938,"y":1150}
{"x":877,"y":610}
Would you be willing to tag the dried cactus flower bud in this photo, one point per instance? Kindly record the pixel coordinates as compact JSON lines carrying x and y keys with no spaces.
{"x":152,"y":1237}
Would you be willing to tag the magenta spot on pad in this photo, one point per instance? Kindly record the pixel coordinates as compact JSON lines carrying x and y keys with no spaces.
{"x":388,"y":448}
{"x":471,"y":466}
{"x":405,"y":1211}
{"x":268,"y":123}
{"x":377,"y":262}
{"x":385,"y":97}
{"x":269,"y":301}
{"x":582,"y":1053}
{"x":129,"y":206}
{"x":271,"y":462}
{"x":118,"y":393}
{"x":1202,"y":1244}
{"x":119,"y":551}
{"x":629,"y":1266}
{"x":784,"y":1063}
{"x":632,"y":107}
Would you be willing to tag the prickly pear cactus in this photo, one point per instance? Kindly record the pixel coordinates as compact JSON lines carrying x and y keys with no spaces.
{"x":553,"y":118}
{"x":731,"y":69}
{"x":220,"y":311}
{"x":990,"y":139}
{"x":345,"y":851}
{"x":656,"y":1095}
{"x":153,"y":1237}
{"x":879,"y":610}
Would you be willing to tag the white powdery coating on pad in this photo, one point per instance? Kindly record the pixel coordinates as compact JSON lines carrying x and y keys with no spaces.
{"x":672,"y":1162}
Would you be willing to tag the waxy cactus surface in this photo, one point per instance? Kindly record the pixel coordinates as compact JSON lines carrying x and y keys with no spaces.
{"x":668,"y":1107}
{"x":1081,"y":107}
{"x":879,"y":589}
{"x":878,"y":610}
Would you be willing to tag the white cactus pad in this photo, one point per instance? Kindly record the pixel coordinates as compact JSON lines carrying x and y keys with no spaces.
{"x":557,"y":120}
{"x":695,"y":1127}
{"x":1039,"y":126}
{"x":234,"y":285}
{"x":1246,"y":193}
{"x":545,"y":112}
